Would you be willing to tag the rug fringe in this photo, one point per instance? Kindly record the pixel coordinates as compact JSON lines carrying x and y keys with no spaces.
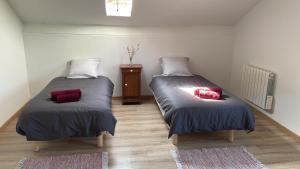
{"x":254,"y":159}
{"x":21,"y":163}
{"x":176,"y":158}
{"x":104,"y":160}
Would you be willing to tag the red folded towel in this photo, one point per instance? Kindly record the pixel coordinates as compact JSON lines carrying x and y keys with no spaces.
{"x":54,"y":94}
{"x":64,"y":98}
{"x":209,"y":93}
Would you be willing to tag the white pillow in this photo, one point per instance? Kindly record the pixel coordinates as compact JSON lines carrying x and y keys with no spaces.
{"x":99,"y":68}
{"x":83,"y":68}
{"x":176,"y":66}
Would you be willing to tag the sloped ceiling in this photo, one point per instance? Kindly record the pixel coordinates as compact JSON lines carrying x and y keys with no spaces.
{"x":145,"y":12}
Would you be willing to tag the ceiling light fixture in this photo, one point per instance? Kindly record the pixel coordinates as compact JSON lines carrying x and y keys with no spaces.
{"x":118,"y":8}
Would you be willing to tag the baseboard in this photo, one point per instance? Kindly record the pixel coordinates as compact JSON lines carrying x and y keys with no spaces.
{"x":278,"y":125}
{"x":116,"y":97}
{"x":147,"y":97}
{"x":144,"y":97}
{"x":13,"y":117}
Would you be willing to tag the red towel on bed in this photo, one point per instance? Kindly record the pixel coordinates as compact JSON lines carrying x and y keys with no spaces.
{"x":209,"y":93}
{"x":55,"y":94}
{"x":64,"y":98}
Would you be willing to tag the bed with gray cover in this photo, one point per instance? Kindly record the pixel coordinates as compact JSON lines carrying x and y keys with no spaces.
{"x":186,"y":113}
{"x":42,"y":119}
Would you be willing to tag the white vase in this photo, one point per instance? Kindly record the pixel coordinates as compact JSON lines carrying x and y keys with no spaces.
{"x":130,"y":62}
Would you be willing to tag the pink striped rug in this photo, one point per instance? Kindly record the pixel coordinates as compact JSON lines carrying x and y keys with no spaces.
{"x":75,"y":161}
{"x":216,"y":158}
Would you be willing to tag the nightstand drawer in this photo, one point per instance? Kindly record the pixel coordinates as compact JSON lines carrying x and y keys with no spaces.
{"x":131,"y":70}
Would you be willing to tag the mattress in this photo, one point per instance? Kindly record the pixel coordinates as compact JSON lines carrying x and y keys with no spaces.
{"x":43,"y":119}
{"x":186,"y":113}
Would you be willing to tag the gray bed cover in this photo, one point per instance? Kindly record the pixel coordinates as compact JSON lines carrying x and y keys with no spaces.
{"x":43,"y":119}
{"x":186,"y":113}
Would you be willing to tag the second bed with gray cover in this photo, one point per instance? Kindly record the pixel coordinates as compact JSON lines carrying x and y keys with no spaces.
{"x":186,"y":113}
{"x":43,"y":119}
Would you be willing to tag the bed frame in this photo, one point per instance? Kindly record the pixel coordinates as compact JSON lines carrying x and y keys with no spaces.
{"x":230,"y":137}
{"x":175,"y":136}
{"x":99,"y":142}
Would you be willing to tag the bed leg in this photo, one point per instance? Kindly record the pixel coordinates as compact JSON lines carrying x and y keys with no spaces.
{"x":100,"y":141}
{"x":175,"y":139}
{"x":36,"y":146}
{"x":231,"y":136}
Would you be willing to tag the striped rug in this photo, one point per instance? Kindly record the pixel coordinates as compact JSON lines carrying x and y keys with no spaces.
{"x":216,"y":158}
{"x":75,"y":161}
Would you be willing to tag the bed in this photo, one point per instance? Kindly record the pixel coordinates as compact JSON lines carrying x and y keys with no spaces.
{"x":186,"y":113}
{"x":43,"y":120}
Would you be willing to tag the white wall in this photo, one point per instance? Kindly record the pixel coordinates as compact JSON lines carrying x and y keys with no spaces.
{"x":48,"y":48}
{"x":14,"y":90}
{"x":269,"y":37}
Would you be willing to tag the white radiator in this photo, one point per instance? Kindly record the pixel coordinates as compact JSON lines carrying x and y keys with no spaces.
{"x":258,"y":86}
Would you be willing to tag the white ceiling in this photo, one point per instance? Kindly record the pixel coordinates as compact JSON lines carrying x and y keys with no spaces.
{"x":145,"y":12}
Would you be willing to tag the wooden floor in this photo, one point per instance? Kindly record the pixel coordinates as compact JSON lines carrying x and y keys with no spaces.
{"x":141,"y":142}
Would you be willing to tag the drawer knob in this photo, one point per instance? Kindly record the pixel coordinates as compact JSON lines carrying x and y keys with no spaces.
{"x":131,"y":70}
{"x":126,"y":84}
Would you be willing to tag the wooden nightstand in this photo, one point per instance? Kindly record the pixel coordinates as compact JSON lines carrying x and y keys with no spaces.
{"x":131,"y":83}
